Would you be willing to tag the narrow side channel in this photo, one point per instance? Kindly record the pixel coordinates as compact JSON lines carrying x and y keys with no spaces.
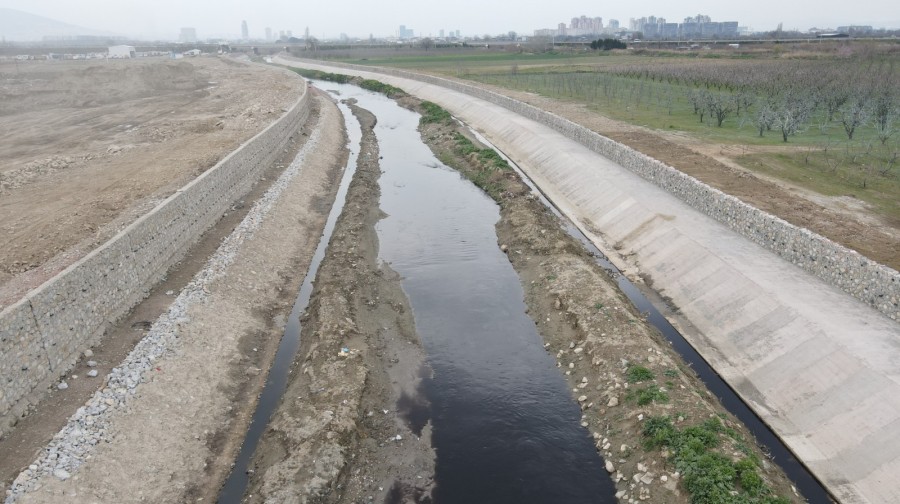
{"x":236,"y":484}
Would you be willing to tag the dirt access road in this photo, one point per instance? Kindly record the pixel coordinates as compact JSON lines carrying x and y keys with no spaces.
{"x":90,"y":146}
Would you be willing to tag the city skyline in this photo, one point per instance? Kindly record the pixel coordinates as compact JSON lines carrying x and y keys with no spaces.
{"x":165,"y":18}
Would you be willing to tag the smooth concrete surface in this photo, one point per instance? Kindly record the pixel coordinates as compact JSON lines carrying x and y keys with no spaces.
{"x":820,"y":367}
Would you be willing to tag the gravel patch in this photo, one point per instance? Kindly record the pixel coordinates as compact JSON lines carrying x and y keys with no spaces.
{"x":91,"y":423}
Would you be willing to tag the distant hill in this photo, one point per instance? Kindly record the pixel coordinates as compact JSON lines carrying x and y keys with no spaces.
{"x":18,"y":26}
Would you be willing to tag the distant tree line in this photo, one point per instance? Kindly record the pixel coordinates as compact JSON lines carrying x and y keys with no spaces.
{"x":608,"y":44}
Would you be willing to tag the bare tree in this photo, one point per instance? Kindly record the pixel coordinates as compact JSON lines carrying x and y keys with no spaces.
{"x":853,"y":114}
{"x":833,"y":98}
{"x":312,"y":43}
{"x":744,"y":99}
{"x":427,"y":43}
{"x":720,"y":106}
{"x":792,"y":113}
{"x":889,"y":164}
{"x":765,"y":117}
{"x":699,"y":99}
{"x":884,"y":115}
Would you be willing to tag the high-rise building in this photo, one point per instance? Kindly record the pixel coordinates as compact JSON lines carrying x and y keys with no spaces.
{"x":729,"y":29}
{"x":668,"y":30}
{"x":245,"y":33}
{"x":188,"y":35}
{"x":405,"y":33}
{"x":268,"y":33}
{"x":585,"y":26}
{"x":699,"y":18}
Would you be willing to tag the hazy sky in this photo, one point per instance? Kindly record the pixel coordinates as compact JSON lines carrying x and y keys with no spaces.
{"x":359,"y":18}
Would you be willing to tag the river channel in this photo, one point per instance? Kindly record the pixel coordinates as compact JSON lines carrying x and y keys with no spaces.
{"x":505,"y":428}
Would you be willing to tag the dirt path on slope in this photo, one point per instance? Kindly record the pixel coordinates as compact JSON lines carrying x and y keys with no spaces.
{"x":840,"y":219}
{"x":88,"y":147}
{"x":343,"y":433}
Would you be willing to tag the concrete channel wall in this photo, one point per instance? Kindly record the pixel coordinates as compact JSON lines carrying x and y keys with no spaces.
{"x":43,"y":334}
{"x":873,"y":283}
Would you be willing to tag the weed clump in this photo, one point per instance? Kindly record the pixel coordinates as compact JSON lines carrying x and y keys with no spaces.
{"x":488,"y":157}
{"x":637,"y":374}
{"x":433,"y":113}
{"x":647,"y":395}
{"x":381,"y":87}
{"x":709,"y":476}
{"x":322,"y":76}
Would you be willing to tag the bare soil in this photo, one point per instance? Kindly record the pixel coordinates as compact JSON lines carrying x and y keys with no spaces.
{"x":90,"y":146}
{"x":45,"y":419}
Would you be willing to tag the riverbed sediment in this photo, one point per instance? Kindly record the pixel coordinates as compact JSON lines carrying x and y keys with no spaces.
{"x":339,"y":434}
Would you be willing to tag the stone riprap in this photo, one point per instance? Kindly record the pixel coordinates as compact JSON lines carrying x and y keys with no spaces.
{"x":42,"y":335}
{"x":875,"y":284}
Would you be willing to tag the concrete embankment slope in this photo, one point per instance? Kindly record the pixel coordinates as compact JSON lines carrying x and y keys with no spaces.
{"x":820,"y":367}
